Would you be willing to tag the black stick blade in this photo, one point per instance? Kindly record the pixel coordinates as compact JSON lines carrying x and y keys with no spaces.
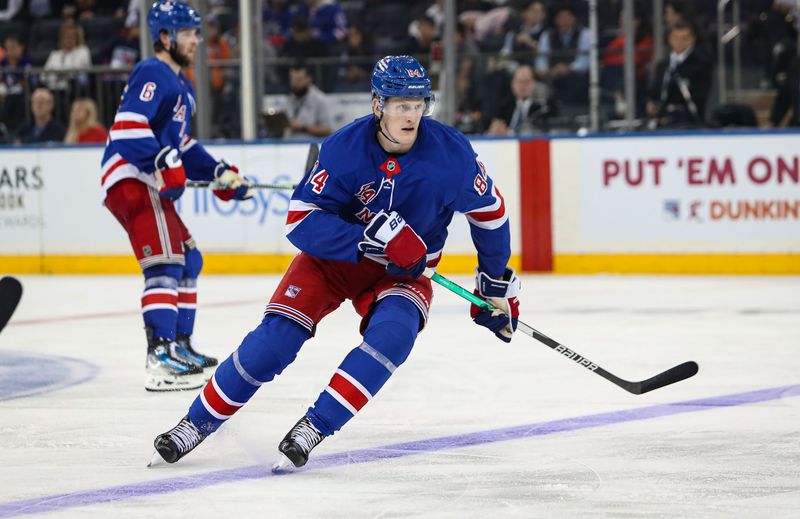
{"x":672,"y":375}
{"x":10,"y":294}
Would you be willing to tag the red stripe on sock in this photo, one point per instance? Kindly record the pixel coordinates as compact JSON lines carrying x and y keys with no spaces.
{"x":214,"y":400}
{"x":187,"y":297}
{"x":151,"y":299}
{"x":351,"y":393}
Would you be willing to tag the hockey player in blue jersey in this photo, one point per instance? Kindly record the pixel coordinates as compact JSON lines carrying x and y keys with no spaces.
{"x":368,"y":218}
{"x":148,"y":156}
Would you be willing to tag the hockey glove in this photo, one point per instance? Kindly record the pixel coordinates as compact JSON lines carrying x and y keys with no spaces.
{"x":502,"y":293}
{"x":170,"y":175}
{"x":388,"y":233}
{"x":229,"y":184}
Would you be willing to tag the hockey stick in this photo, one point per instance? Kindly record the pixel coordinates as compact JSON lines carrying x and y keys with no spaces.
{"x":10,"y":294}
{"x":670,"y":376}
{"x":313,"y":154}
{"x":206,"y":183}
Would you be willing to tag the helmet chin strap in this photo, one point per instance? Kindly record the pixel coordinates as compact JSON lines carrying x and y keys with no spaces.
{"x":385,"y":133}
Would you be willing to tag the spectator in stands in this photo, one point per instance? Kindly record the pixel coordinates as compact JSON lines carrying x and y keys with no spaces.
{"x":681,"y":83}
{"x":277,"y":16}
{"x":126,"y":48}
{"x":421,"y":43}
{"x":563,"y":56}
{"x":328,"y":21}
{"x":10,"y":10}
{"x":787,"y":99}
{"x":487,"y":28}
{"x":85,"y":9}
{"x":678,"y":11}
{"x":83,"y":125}
{"x":469,"y":74}
{"x":301,"y":43}
{"x":525,"y":36}
{"x":12,"y":83}
{"x":358,"y":47}
{"x":308,"y":115}
{"x":218,"y":49}
{"x":132,"y":12}
{"x":43,"y":128}
{"x":529,"y":110}
{"x":685,"y":11}
{"x":612,"y":76}
{"x":32,"y":10}
{"x":71,"y":54}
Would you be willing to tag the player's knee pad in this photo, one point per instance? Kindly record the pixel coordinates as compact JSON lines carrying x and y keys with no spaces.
{"x":193,"y":263}
{"x":393,"y":327}
{"x":271,"y":347}
{"x":165,"y":275}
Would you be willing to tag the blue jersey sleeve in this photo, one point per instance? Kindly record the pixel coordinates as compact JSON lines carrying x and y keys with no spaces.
{"x":485,"y":209}
{"x":198,"y":163}
{"x":313,"y":223}
{"x":143,"y":104}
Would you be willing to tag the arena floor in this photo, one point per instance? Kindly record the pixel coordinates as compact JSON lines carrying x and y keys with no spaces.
{"x":468,"y":427}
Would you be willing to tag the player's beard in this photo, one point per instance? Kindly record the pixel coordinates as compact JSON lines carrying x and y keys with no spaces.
{"x":181,"y":59}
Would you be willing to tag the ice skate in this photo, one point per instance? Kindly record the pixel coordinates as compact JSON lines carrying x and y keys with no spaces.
{"x":297,"y":444}
{"x":188,"y":355}
{"x":165,"y":372}
{"x":177,"y":442}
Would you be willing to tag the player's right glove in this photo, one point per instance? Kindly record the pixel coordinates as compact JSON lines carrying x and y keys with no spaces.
{"x":388,"y":233}
{"x":170,"y":175}
{"x":502,"y":293}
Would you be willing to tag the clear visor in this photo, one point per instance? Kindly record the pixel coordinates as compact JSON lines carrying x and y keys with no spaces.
{"x":395,"y":107}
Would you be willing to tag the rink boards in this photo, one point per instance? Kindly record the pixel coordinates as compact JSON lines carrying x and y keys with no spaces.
{"x":709,"y":203}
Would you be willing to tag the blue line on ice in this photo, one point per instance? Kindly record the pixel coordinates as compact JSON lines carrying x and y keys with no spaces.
{"x":56,"y":502}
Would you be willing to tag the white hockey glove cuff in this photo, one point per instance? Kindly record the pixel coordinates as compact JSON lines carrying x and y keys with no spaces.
{"x":502,"y":293}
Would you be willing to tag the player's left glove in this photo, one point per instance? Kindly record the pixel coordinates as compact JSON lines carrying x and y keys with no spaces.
{"x":388,"y":233}
{"x":502,"y":293}
{"x":228,"y":184}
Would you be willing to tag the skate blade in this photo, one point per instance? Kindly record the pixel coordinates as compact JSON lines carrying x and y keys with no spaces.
{"x":156,"y":460}
{"x":283,"y":464}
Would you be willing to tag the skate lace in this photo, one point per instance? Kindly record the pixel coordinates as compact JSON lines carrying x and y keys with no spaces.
{"x":186,"y":436}
{"x":306,"y":436}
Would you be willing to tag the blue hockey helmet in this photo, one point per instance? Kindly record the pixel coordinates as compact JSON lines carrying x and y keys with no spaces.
{"x":401,"y":76}
{"x":171,"y":16}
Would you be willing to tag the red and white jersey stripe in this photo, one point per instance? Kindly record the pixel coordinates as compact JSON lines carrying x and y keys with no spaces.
{"x":348,"y":391}
{"x":216,"y":402}
{"x":116,"y":168}
{"x":298,"y":211}
{"x":492,"y":216}
{"x":130,"y":125}
{"x":187,"y":142}
{"x":160,"y":299}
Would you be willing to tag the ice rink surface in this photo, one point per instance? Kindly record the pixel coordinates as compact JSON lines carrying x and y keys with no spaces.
{"x":468,"y":427}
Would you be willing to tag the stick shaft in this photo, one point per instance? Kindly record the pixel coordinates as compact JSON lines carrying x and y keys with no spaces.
{"x":672,"y":375}
{"x":206,"y":183}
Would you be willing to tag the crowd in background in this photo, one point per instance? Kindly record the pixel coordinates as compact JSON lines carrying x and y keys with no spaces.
{"x":522,"y":67}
